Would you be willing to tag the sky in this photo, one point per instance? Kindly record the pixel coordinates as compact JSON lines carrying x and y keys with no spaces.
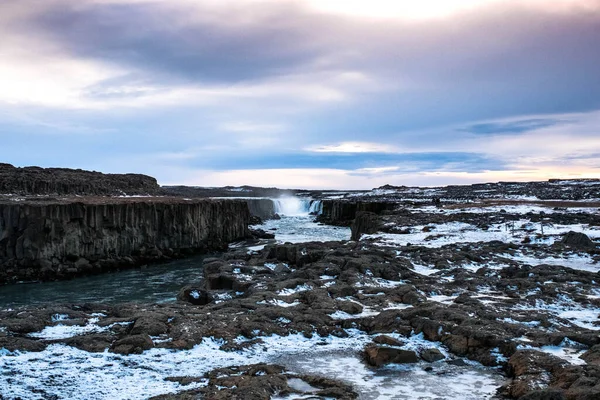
{"x":303,"y":93}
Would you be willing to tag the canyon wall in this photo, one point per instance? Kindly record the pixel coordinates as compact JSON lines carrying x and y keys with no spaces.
{"x":55,"y":240}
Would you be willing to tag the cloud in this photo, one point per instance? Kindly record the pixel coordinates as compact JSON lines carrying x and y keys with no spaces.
{"x":521,"y":126}
{"x":354,"y":147}
{"x":261,"y":85}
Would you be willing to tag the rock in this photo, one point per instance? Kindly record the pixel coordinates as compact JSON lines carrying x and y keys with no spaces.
{"x":349,"y":307}
{"x":457,"y":362}
{"x":150,"y":326}
{"x":195,"y":295}
{"x":578,"y":240}
{"x":388,"y":340}
{"x":343,"y":212}
{"x":91,"y":343}
{"x":592,"y":356}
{"x":549,"y":394}
{"x":15,"y":343}
{"x":261,"y":234}
{"x":432,"y":355}
{"x":82,"y":264}
{"x":364,"y":223}
{"x":255,"y":220}
{"x":379,"y":355}
{"x":135,"y":344}
{"x":227,"y":281}
{"x":29,"y":324}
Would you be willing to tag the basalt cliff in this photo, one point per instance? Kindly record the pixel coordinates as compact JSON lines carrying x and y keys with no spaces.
{"x":60,"y":239}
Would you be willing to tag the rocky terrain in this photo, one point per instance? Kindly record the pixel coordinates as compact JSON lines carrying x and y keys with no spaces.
{"x":489,"y":297}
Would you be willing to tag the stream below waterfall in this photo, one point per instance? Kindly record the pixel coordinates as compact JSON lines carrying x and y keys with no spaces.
{"x":159,"y":283}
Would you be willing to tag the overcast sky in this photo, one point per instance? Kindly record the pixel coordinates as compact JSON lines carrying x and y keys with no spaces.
{"x":303,"y":93}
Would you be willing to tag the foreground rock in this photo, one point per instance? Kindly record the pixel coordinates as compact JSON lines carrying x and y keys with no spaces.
{"x":260,"y":382}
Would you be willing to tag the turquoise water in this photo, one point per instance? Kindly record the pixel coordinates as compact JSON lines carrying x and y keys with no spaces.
{"x":156,"y":284}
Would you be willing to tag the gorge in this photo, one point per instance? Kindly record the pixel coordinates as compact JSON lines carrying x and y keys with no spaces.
{"x":473,"y":292}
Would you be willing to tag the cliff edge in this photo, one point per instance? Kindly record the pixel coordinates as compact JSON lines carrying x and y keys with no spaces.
{"x":57,"y":239}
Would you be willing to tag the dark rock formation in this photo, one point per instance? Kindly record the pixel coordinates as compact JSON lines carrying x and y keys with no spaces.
{"x":64,"y":181}
{"x":578,"y":240}
{"x":41,"y":241}
{"x":343,"y":212}
{"x":262,"y":208}
{"x":380,"y":355}
{"x":196,"y":295}
{"x":364,"y":223}
{"x":134,"y":344}
{"x":432,"y":355}
{"x":260,"y":382}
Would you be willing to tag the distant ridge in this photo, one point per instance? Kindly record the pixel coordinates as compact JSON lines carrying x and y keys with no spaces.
{"x":65,"y":181}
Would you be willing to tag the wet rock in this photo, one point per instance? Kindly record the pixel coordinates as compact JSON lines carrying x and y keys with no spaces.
{"x":152,"y":325}
{"x":388,"y":340}
{"x":379,"y":355}
{"x":28,"y":324}
{"x":134,"y":344}
{"x":91,"y":343}
{"x":260,"y":382}
{"x":227,"y":281}
{"x":261,"y":234}
{"x":195,"y":295}
{"x":432,"y":355}
{"x":13,"y":343}
{"x":457,"y":362}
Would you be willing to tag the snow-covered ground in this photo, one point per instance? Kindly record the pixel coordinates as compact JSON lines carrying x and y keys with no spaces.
{"x":460,"y":232}
{"x":66,"y":372}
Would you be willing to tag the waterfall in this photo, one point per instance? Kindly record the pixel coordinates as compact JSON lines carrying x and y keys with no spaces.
{"x":291,"y":206}
{"x":316,"y":206}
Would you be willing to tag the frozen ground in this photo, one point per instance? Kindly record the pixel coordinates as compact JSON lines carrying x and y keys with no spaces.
{"x":66,"y":372}
{"x":459,"y":232}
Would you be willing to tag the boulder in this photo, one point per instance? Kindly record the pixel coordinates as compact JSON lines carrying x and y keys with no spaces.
{"x":96,"y":343}
{"x":592,"y":356}
{"x":432,"y":355}
{"x":149,"y":325}
{"x":380,"y":355}
{"x":578,"y":240}
{"x":195,"y":295}
{"x":134,"y":344}
{"x":387,"y":340}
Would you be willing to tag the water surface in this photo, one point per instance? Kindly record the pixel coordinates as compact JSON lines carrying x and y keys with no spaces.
{"x":157,"y":283}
